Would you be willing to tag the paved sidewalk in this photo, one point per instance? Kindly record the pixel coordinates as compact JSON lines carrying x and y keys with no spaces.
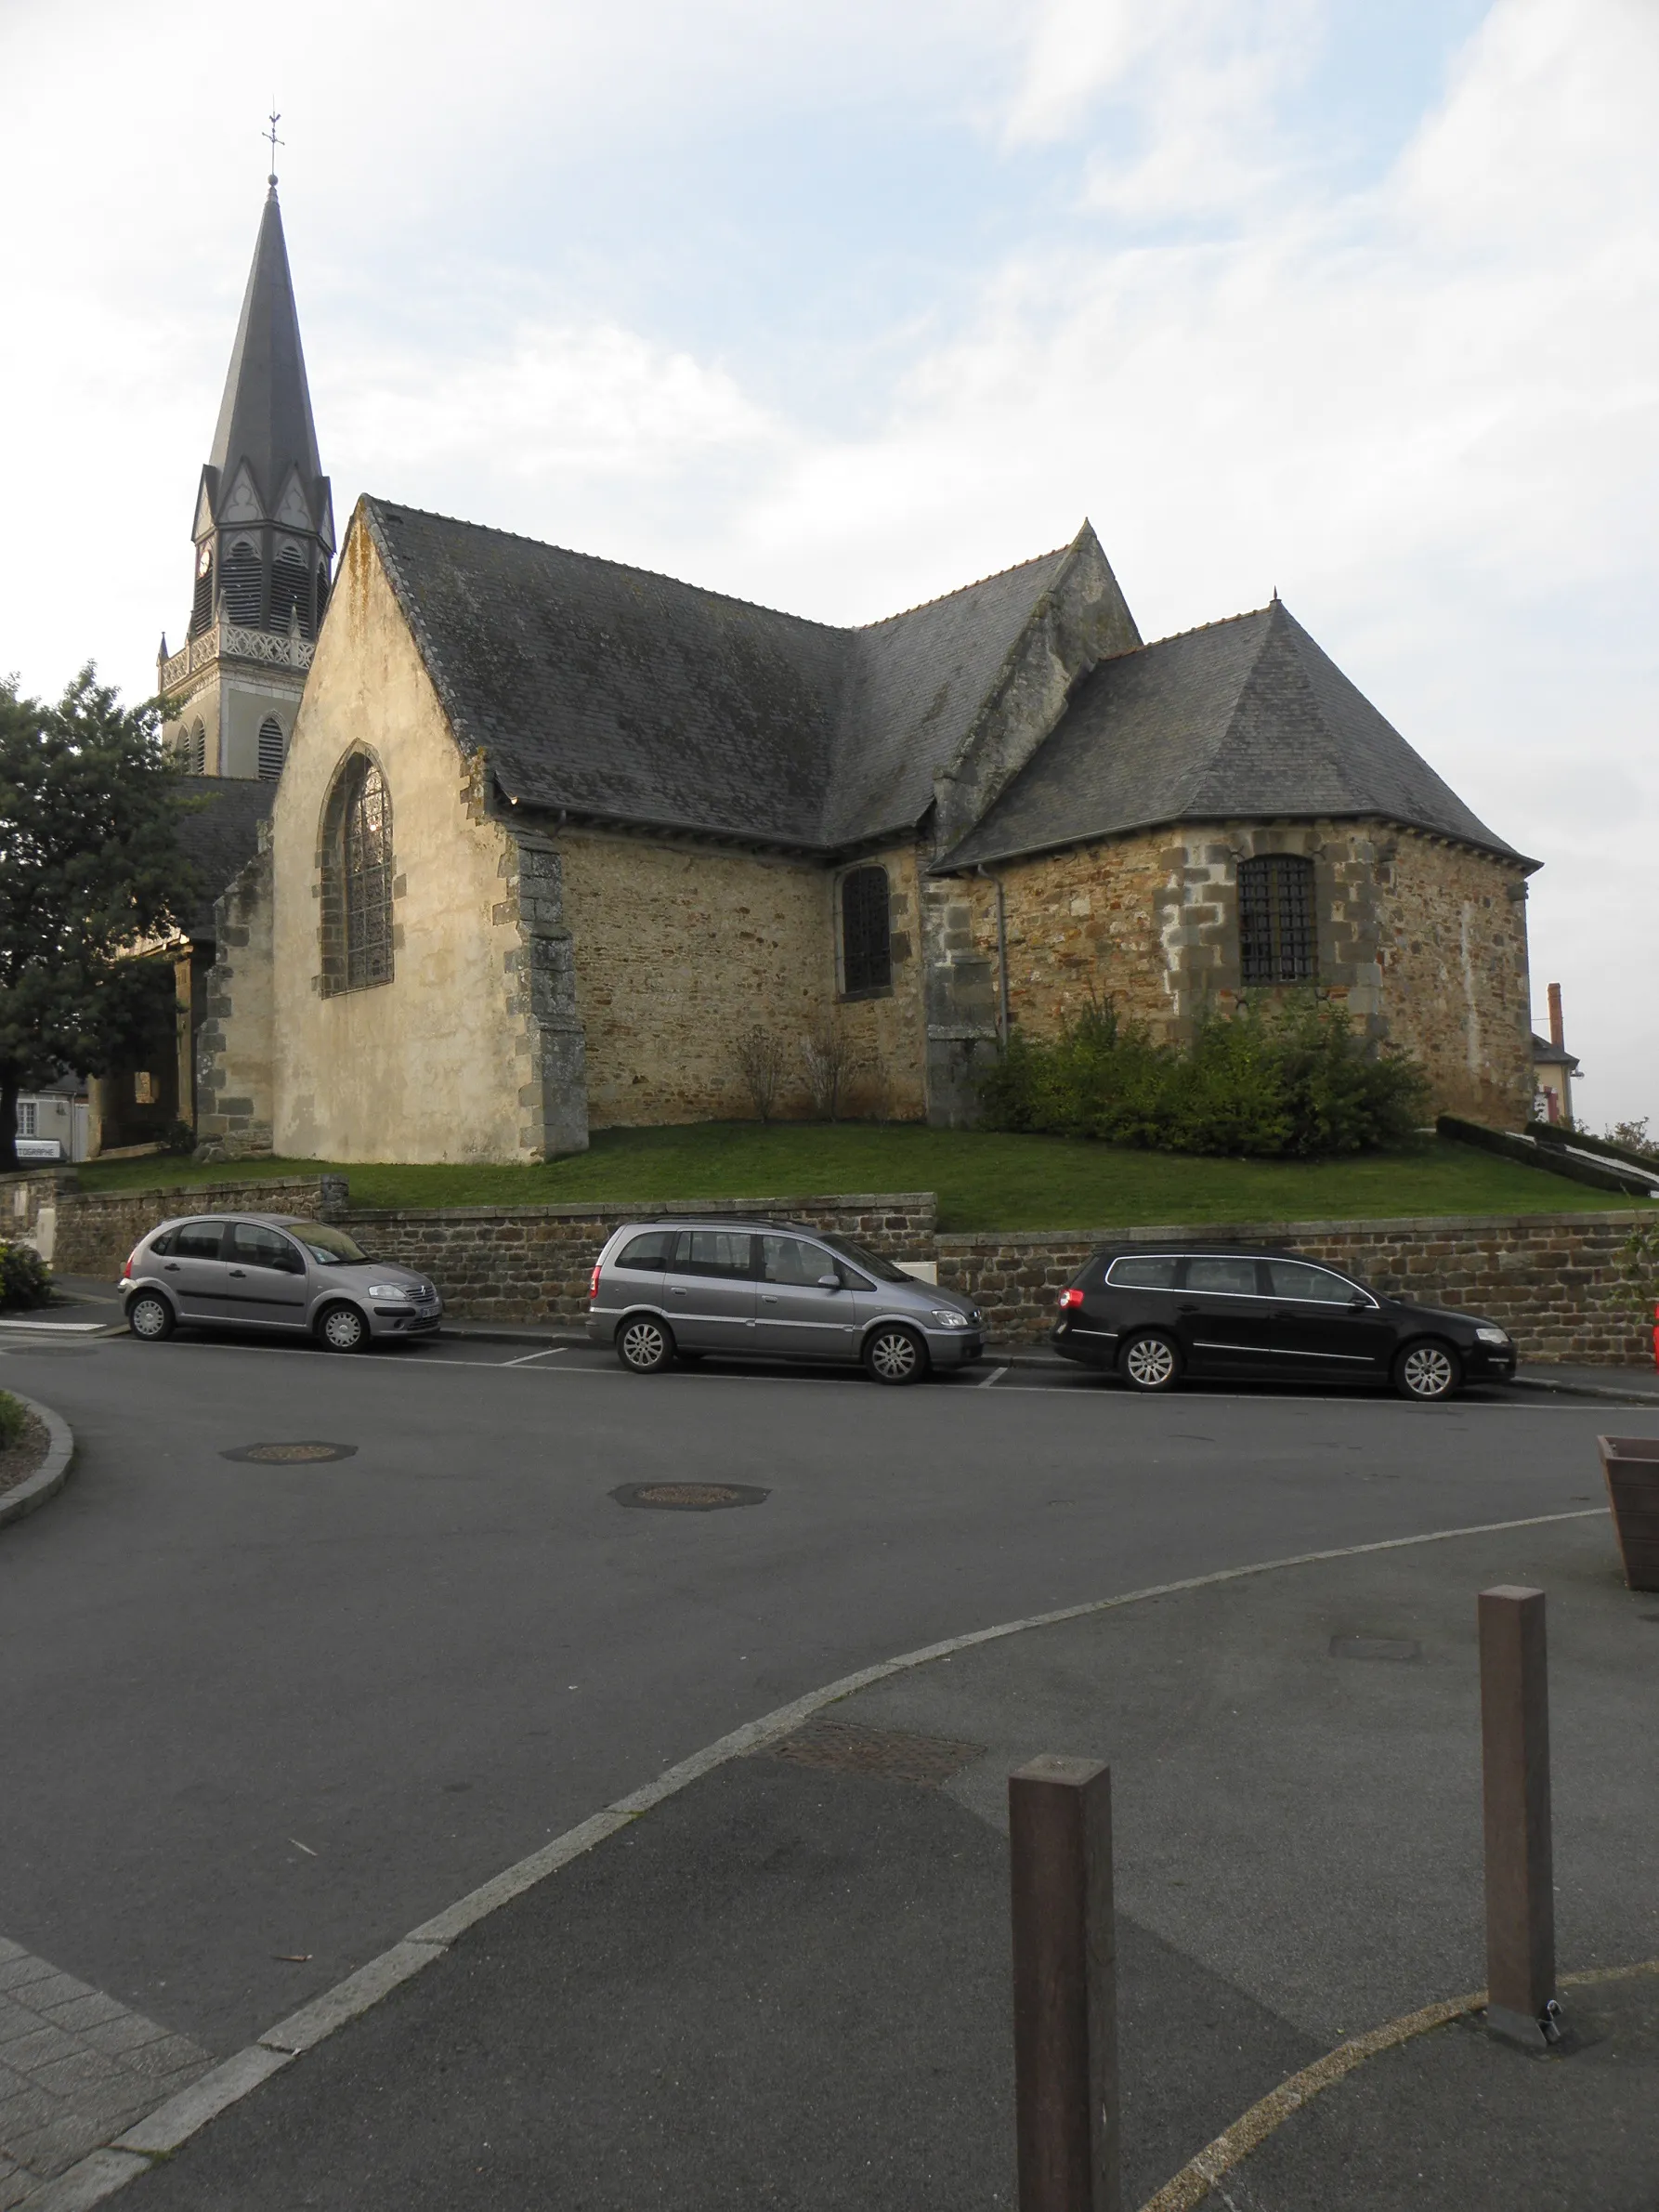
{"x":787,"y":1985}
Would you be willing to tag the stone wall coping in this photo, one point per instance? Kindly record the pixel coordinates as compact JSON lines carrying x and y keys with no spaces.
{"x":1277,"y":1231}
{"x":656,"y":1209}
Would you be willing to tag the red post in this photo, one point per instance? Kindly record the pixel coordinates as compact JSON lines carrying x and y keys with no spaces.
{"x":1065,"y":1986}
{"x":1515,"y":1793}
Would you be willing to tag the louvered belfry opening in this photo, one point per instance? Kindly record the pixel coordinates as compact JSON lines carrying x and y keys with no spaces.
{"x":1277,"y":933}
{"x":202,"y":599}
{"x":195,"y":757}
{"x":272,"y":746}
{"x":865,"y":938}
{"x":243,"y":583}
{"x":291,"y":590}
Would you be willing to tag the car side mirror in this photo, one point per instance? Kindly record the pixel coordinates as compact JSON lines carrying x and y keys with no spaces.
{"x":829,"y":1282}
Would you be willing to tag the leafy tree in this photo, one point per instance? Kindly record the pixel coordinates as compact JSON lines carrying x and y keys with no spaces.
{"x":90,"y":867}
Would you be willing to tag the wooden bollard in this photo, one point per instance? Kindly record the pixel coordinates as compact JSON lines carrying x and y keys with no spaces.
{"x":1065,"y":1986}
{"x":1515,"y":1793}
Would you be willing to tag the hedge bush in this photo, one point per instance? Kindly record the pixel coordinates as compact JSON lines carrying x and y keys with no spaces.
{"x":1293,"y":1080}
{"x":25,"y":1279}
{"x":13,"y":1417}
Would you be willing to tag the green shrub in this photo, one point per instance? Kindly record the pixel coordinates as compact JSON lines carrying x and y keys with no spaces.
{"x":13,"y":1419}
{"x":1293,"y":1081}
{"x":25,"y":1279}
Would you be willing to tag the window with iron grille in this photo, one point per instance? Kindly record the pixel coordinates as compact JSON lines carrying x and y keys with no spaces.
{"x":865,"y":942}
{"x":272,"y":747}
{"x":1277,"y":936}
{"x":367,"y":855}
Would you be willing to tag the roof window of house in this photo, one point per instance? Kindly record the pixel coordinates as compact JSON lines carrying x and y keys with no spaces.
{"x":1278,"y":939}
{"x":865,"y":938}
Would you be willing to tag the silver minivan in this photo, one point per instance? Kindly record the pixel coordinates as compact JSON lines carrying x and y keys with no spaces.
{"x":687,"y":1290}
{"x":271,"y":1272}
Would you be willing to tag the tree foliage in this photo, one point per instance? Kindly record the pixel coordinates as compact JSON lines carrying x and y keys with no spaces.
{"x":90,"y":867}
{"x":1293,"y":1080}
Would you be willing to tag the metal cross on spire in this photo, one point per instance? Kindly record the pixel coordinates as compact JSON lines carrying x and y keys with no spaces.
{"x":275,"y":142}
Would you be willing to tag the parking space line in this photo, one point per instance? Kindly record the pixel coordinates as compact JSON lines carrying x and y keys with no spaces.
{"x":549,"y":1352}
{"x":985,"y":1380}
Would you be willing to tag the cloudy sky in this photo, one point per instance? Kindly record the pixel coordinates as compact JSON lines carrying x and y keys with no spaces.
{"x":836,"y":307}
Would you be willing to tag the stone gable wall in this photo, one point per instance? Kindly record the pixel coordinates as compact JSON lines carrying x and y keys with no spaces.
{"x":1550,"y":1280}
{"x":534,"y":1264}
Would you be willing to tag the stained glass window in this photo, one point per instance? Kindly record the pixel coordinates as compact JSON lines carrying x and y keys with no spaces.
{"x":368,"y":867}
{"x":865,"y":942}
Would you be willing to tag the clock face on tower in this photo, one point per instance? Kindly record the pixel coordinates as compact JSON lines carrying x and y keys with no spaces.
{"x":204,"y":560}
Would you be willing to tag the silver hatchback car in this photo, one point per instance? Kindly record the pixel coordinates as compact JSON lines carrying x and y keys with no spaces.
{"x":271,"y":1272}
{"x":663,"y":1290}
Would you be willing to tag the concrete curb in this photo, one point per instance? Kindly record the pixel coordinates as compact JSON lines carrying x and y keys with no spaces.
{"x":53,"y":1471}
{"x":1252,"y":2130}
{"x":172,"y":2122}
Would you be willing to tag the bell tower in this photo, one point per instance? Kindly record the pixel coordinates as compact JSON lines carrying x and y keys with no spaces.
{"x":263,"y":534}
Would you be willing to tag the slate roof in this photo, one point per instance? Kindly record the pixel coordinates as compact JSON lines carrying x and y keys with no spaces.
{"x":264,"y":415}
{"x":1243,"y":718}
{"x":220,"y":837}
{"x":615,"y":693}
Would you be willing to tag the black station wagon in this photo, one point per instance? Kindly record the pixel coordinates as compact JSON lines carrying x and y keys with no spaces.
{"x":1155,"y":1316}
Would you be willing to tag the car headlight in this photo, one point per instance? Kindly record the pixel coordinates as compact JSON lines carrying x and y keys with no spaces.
{"x":1491,"y":1336}
{"x":392,"y":1291}
{"x":947,"y":1318}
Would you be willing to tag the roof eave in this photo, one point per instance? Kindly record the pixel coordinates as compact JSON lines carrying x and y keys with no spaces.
{"x":955,"y":863}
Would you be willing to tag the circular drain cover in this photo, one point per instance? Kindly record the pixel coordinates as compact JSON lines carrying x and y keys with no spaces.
{"x":290,"y":1454}
{"x":689,"y":1498}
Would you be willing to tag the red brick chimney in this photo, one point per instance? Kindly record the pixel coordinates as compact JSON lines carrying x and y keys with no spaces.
{"x":1558,"y":1036}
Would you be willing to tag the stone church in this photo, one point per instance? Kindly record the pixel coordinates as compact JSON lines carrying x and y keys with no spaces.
{"x":515,"y":842}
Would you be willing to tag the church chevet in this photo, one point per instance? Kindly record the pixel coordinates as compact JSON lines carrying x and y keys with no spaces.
{"x":507,"y":843}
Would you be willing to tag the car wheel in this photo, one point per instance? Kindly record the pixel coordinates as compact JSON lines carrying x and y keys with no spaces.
{"x":342,"y":1328}
{"x":644,"y":1345}
{"x":1148,"y":1361}
{"x":894,"y":1354}
{"x":1428,"y":1372}
{"x":151,"y":1318}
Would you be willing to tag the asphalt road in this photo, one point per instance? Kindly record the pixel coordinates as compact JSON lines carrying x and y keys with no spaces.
{"x":262,"y":1718}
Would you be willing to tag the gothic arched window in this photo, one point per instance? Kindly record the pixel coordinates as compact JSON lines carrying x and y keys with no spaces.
{"x":357,"y":879}
{"x":1278,"y":938}
{"x":243,"y":582}
{"x":865,"y":938}
{"x":272,"y":745}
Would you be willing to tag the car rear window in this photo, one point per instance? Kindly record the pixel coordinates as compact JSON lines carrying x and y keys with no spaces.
{"x":1151,"y":1272}
{"x":1297,"y":1278}
{"x":1230,"y":1278}
{"x":646,"y":1255}
{"x":198,"y":1240}
{"x":713,"y":1252}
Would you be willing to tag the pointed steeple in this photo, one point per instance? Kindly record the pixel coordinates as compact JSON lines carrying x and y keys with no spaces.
{"x":264,"y":417}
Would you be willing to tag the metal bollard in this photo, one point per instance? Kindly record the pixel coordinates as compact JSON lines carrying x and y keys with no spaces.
{"x":1521,"y":2000}
{"x":1065,"y":1986}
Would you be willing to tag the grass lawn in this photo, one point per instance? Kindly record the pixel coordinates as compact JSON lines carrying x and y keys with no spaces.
{"x":984,"y":1180}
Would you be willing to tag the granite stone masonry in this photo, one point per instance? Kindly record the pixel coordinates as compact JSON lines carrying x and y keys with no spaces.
{"x":534,"y":1263}
{"x":96,"y":1230}
{"x":1550,"y":1280}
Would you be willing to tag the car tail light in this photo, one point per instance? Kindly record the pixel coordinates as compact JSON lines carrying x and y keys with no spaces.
{"x":1072,"y":1297}
{"x":127,"y":1272}
{"x":594,"y":1286}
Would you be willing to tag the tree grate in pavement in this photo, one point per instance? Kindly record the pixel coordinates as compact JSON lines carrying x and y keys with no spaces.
{"x":892,"y":1754}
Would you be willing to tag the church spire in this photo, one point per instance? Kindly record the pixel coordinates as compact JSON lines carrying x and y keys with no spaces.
{"x":263,"y":534}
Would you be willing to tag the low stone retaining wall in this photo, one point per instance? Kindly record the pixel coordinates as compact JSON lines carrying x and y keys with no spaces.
{"x":1552,"y":1279}
{"x":92,"y":1232}
{"x":534,"y":1263}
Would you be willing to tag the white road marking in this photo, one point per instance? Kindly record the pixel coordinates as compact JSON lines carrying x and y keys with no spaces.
{"x":985,"y":1380}
{"x":552,"y":1352}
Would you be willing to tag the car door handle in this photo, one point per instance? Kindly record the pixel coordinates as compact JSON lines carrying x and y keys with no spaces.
{"x":243,"y":1271}
{"x":677,"y":1293}
{"x":172,"y":1266}
{"x":768,"y":1298}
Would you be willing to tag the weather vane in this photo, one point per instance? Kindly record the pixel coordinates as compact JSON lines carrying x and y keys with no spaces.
{"x":275,"y":142}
